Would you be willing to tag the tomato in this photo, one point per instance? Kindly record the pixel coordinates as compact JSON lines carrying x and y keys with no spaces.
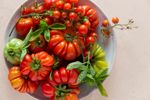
{"x":68,"y":23}
{"x":105,"y":23}
{"x":48,"y":20}
{"x":90,"y":40}
{"x":25,"y":10}
{"x":72,"y":1}
{"x":23,"y":26}
{"x":85,"y":9}
{"x":94,"y":35}
{"x":56,"y":14}
{"x":36,"y":20}
{"x":87,"y":23}
{"x":95,"y":24}
{"x":67,"y":6}
{"x":64,"y":15}
{"x":37,"y":8}
{"x":115,"y":20}
{"x":38,"y":45}
{"x":79,"y":9}
{"x":48,"y":90}
{"x":19,"y":82}
{"x":71,"y":96}
{"x":65,"y":46}
{"x":37,"y":66}
{"x":83,"y":29}
{"x":57,"y":77}
{"x":72,"y":16}
{"x":63,"y":74}
{"x":75,"y":90}
{"x":54,"y":32}
{"x":73,"y":76}
{"x":59,"y":4}
{"x":47,"y":4}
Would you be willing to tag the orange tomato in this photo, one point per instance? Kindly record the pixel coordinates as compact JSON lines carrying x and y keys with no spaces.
{"x":71,"y":96}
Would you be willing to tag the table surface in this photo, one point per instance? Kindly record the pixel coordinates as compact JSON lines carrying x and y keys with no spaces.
{"x":129,"y":79}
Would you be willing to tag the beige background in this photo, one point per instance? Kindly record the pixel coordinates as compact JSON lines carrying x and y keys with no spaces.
{"x":130,"y":77}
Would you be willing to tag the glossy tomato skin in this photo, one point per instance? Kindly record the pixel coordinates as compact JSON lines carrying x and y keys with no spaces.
{"x":63,"y":74}
{"x":25,"y":10}
{"x":83,"y":29}
{"x":20,"y":82}
{"x":36,"y":20}
{"x":67,"y":6}
{"x":59,"y":4}
{"x":57,"y":77}
{"x":48,"y":20}
{"x":37,"y":66}
{"x":72,"y":16}
{"x":38,"y":45}
{"x":37,"y":9}
{"x":56,"y":14}
{"x":47,"y":4}
{"x":90,"y":40}
{"x":23,"y":26}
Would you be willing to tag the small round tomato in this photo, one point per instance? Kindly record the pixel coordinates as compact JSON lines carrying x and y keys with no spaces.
{"x":56,"y":14}
{"x":48,"y":20}
{"x":115,"y":20}
{"x":90,"y":40}
{"x":94,"y":35}
{"x":47,"y":4}
{"x":71,"y":96}
{"x":37,"y":8}
{"x":83,"y":29}
{"x":85,"y":9}
{"x":25,"y":10}
{"x":72,"y":16}
{"x":78,"y":24}
{"x":105,"y":23}
{"x":38,"y":45}
{"x":68,"y":23}
{"x":79,"y":9}
{"x":67,"y":6}
{"x":23,"y":26}
{"x":64,"y":15}
{"x":87,"y":23}
{"x":36,"y":20}
{"x":59,"y":4}
{"x":72,"y":1}
{"x":95,"y":24}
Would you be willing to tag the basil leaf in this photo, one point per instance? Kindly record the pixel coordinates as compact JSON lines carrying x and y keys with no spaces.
{"x":43,"y":25}
{"x":26,"y":40}
{"x":75,"y":65}
{"x":47,"y":35}
{"x":23,"y":53}
{"x":57,"y":26}
{"x":82,"y":76}
{"x":101,"y":89}
{"x":85,"y":19}
{"x":92,"y":71}
{"x":50,"y":13}
{"x":101,"y":73}
{"x":36,"y":34}
{"x":103,"y":78}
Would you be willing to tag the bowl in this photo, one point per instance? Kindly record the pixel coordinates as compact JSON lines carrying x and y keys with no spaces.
{"x":109,"y":46}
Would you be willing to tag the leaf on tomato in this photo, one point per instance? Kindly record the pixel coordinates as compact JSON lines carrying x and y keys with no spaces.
{"x":23,"y":53}
{"x":75,"y":65}
{"x":36,"y":34}
{"x":82,"y":76}
{"x":43,"y":25}
{"x":57,"y":26}
{"x":47,"y":35}
{"x":101,"y":73}
{"x":101,"y":89}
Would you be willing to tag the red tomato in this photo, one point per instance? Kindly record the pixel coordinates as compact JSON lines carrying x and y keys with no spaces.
{"x":67,"y":6}
{"x":59,"y":4}
{"x":73,"y":76}
{"x":94,"y":35}
{"x":64,"y":15}
{"x":56,"y":14}
{"x":38,"y":45}
{"x":37,"y":66}
{"x":23,"y":26}
{"x":83,"y":29}
{"x":95,"y":24}
{"x":87,"y":23}
{"x":57,"y":77}
{"x":72,"y":16}
{"x":105,"y":23}
{"x":85,"y":9}
{"x":90,"y":40}
{"x":48,"y":20}
{"x":68,"y":23}
{"x":47,"y":4}
{"x":115,"y":20}
{"x":72,"y":1}
{"x":55,"y":32}
{"x":25,"y":10}
{"x":79,"y":9}
{"x":63,"y":74}
{"x":37,"y":8}
{"x":71,"y":96}
{"x":36,"y":20}
{"x":48,"y":90}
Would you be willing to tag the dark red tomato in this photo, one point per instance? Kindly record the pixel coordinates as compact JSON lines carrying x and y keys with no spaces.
{"x":48,"y":20}
{"x":73,"y":76}
{"x":25,"y":10}
{"x":67,"y":6}
{"x":78,"y":24}
{"x":85,"y":9}
{"x":56,"y":14}
{"x":63,"y":74}
{"x":72,"y":16}
{"x":57,"y":77}
{"x":36,"y":20}
{"x":38,"y":45}
{"x":47,"y":4}
{"x":95,"y":24}
{"x":37,"y":9}
{"x":90,"y":40}
{"x":72,"y":1}
{"x":83,"y":29}
{"x":59,"y":4}
{"x":79,"y":9}
{"x":87,"y":23}
{"x":68,"y":23}
{"x":54,"y":32}
{"x":94,"y":35}
{"x":23,"y":26}
{"x":64,"y":15}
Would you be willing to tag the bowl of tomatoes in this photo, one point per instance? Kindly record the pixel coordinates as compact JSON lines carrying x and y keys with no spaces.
{"x":54,"y":47}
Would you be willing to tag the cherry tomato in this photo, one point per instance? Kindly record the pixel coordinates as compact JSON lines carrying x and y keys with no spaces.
{"x":72,"y":16}
{"x":56,"y":14}
{"x":64,"y":15}
{"x":79,"y":9}
{"x":85,"y":9}
{"x":25,"y":10}
{"x":87,"y":23}
{"x":95,"y":24}
{"x":78,"y":24}
{"x":23,"y":26}
{"x":68,"y":23}
{"x":105,"y":23}
{"x":67,"y":6}
{"x":36,"y":20}
{"x":73,"y":1}
{"x":94,"y":35}
{"x":59,"y":4}
{"x":48,"y":20}
{"x":37,"y":8}
{"x":47,"y":4}
{"x":115,"y":20}
{"x":90,"y":40}
{"x":83,"y":29}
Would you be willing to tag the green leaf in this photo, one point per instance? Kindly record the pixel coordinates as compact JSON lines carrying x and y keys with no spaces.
{"x":81,"y":76}
{"x":102,"y":78}
{"x":47,"y":35}
{"x":23,"y":53}
{"x":85,"y":19}
{"x":92,"y":71}
{"x":75,"y":65}
{"x":36,"y":34}
{"x":101,"y":73}
{"x":89,"y":81}
{"x":26,"y":40}
{"x":101,"y":89}
{"x":50,"y":13}
{"x":43,"y":25}
{"x":57,"y":26}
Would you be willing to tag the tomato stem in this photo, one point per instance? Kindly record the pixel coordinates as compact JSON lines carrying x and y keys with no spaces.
{"x":35,"y":64}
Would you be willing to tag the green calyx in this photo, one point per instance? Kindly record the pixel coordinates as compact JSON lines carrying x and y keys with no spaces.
{"x":62,"y":90}
{"x":69,"y":37}
{"x":36,"y":64}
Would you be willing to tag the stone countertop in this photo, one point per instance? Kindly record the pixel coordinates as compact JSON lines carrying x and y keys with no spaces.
{"x":129,"y":79}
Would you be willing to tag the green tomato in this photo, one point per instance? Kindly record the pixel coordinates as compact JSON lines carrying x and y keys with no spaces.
{"x":12,"y":51}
